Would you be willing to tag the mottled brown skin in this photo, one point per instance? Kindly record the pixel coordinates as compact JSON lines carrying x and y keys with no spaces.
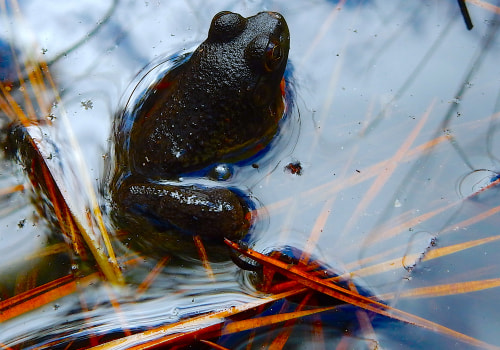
{"x":222,"y":105}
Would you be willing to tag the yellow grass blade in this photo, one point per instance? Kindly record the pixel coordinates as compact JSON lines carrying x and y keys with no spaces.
{"x":75,"y":219}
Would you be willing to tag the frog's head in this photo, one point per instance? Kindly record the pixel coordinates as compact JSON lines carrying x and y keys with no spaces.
{"x":249,"y":53}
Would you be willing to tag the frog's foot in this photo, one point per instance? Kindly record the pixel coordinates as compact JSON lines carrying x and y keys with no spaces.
{"x":212,"y":213}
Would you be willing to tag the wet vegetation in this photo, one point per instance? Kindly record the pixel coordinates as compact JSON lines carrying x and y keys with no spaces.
{"x":387,"y":239}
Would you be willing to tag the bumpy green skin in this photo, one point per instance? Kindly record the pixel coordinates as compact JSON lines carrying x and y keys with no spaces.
{"x":222,"y":105}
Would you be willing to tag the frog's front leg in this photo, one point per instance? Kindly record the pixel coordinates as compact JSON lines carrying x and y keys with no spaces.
{"x":212,"y":213}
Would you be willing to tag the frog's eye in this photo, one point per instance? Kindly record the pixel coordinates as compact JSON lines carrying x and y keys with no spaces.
{"x":264,"y":53}
{"x":273,"y":56}
{"x":226,"y":25}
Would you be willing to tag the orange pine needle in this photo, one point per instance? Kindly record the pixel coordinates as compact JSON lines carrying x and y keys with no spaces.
{"x":213,"y":345}
{"x":152,"y":275}
{"x":432,"y":254}
{"x":426,"y":147}
{"x":318,"y":39}
{"x":38,"y":84}
{"x":9,"y":190}
{"x":5,"y":106}
{"x":279,"y":342}
{"x":204,"y":257}
{"x":446,"y":289}
{"x":363,"y":319}
{"x":24,"y":88}
{"x":485,"y":5}
{"x":160,"y":335}
{"x":328,"y":288}
{"x":475,"y":219}
{"x":60,"y":209}
{"x":5,"y":347}
{"x":12,"y":108}
{"x":318,"y":335}
{"x":440,"y":252}
{"x":53,"y":249}
{"x":118,"y":311}
{"x":316,"y":231}
{"x":386,"y":232}
{"x":42,"y":295}
{"x":389,"y":170}
{"x":244,"y":325}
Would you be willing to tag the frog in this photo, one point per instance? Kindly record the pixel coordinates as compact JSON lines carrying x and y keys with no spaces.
{"x":221,"y":105}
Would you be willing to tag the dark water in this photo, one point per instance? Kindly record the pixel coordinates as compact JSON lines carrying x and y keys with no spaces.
{"x":395,"y":124}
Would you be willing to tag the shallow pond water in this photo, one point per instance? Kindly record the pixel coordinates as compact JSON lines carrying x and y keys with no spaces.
{"x":394,"y":123}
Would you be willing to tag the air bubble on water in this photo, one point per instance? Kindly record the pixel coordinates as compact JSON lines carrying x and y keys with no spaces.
{"x":221,"y":172}
{"x":476,"y":181}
